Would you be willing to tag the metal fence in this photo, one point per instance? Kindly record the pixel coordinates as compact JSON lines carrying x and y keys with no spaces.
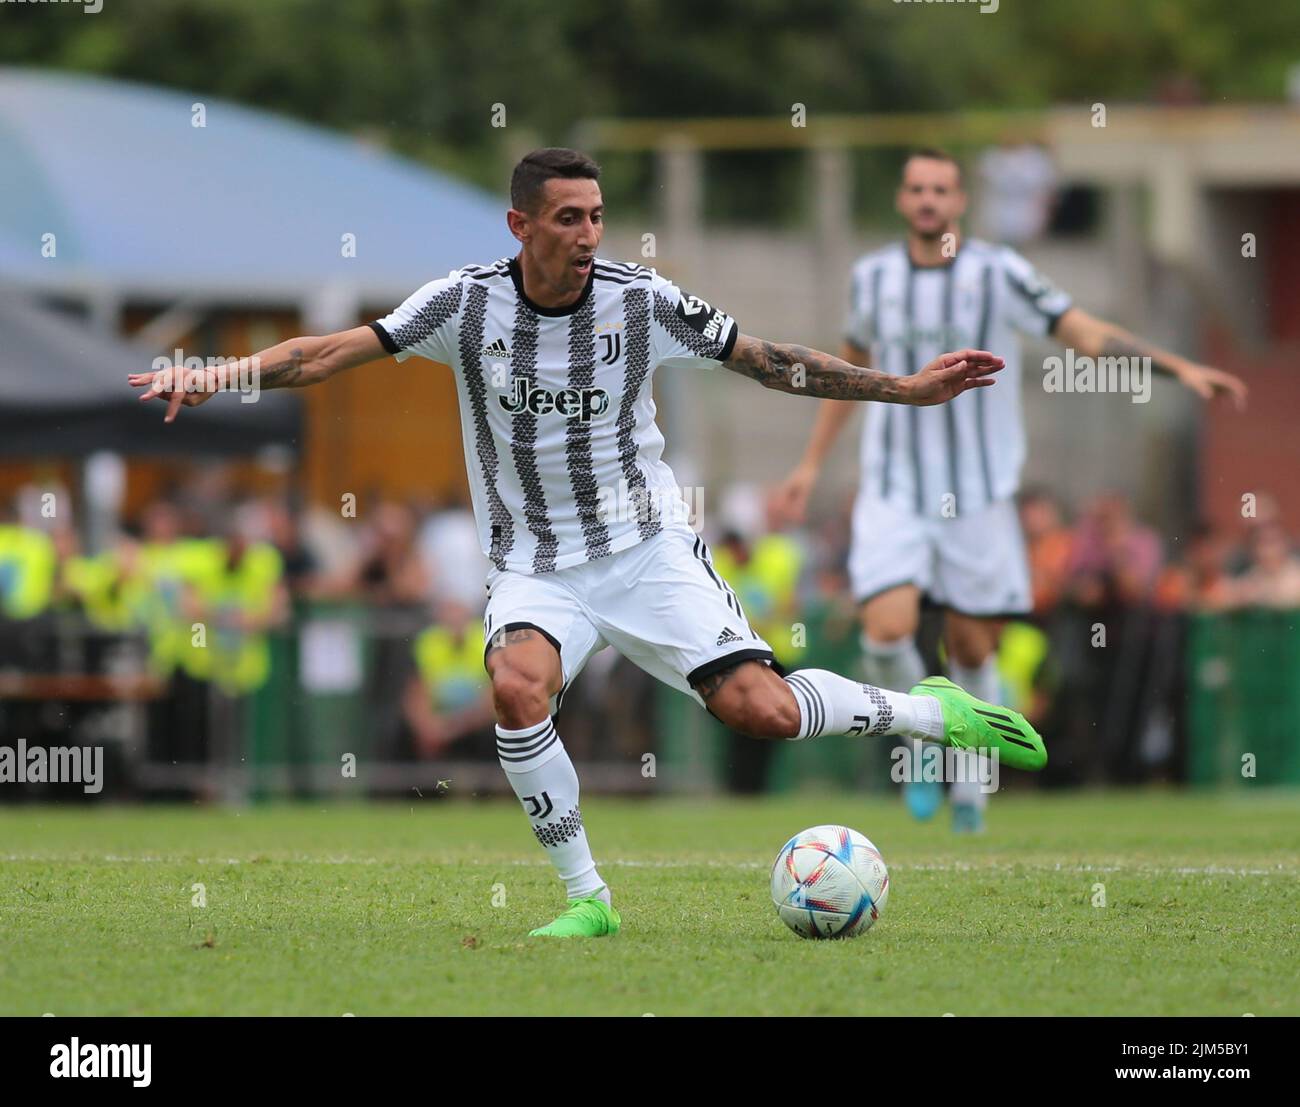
{"x":1198,"y":699}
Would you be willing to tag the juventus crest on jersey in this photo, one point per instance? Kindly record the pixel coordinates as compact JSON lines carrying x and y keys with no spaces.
{"x":957,"y":457}
{"x":556,"y":410}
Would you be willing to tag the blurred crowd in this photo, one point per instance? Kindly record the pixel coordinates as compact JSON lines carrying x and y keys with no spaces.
{"x":1110,"y":557}
{"x":207,"y":584}
{"x":1116,"y":657}
{"x":207,"y":589}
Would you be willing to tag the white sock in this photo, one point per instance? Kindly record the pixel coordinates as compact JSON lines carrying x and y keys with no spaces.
{"x":984,"y":683}
{"x":539,"y":770}
{"x":830,"y":704}
{"x":895,"y":665}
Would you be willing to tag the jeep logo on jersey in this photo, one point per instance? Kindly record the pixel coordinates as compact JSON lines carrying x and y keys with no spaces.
{"x":699,"y":316}
{"x":584,"y":403}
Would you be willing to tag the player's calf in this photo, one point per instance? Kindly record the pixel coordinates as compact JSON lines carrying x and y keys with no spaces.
{"x":751,"y":699}
{"x":525,"y":669}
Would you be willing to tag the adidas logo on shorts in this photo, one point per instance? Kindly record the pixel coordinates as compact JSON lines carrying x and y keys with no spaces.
{"x":728,"y":635}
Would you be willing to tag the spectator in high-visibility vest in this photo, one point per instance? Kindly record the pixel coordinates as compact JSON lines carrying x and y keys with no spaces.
{"x":172,"y":564}
{"x":239,"y":597}
{"x":1024,"y":664}
{"x":449,"y":696}
{"x":27,"y":571}
{"x":111,"y":587}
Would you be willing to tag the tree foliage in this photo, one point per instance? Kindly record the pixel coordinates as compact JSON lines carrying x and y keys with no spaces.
{"x":426,"y":73}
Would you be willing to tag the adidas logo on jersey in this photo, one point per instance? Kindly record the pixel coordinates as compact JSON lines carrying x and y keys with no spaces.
{"x":728,"y":635}
{"x":497,"y":349}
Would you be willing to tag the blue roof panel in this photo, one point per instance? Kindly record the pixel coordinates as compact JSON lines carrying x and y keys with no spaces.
{"x":251,"y":204}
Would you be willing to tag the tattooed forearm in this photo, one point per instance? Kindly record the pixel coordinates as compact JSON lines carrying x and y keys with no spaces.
{"x":805,"y":372}
{"x":288,"y":373}
{"x":1120,"y":344}
{"x":298,"y":362}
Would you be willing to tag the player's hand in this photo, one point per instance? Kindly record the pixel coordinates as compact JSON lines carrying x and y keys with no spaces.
{"x":790,"y":497}
{"x":950,"y":375}
{"x":1208,"y":382}
{"x":180,"y":387}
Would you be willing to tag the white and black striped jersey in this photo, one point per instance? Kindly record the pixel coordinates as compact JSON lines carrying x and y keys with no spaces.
{"x":556,"y":410}
{"x":956,"y":457}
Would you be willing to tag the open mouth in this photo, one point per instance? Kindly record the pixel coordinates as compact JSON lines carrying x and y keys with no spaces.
{"x":583,"y":264}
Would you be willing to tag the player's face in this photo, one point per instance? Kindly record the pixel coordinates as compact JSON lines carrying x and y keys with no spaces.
{"x":562,"y":238}
{"x":930,"y":196}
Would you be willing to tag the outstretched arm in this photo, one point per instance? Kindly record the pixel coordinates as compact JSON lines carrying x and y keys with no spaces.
{"x":1095,"y":337}
{"x":805,"y":372}
{"x":832,"y":414}
{"x":296,"y":363}
{"x":792,"y":494}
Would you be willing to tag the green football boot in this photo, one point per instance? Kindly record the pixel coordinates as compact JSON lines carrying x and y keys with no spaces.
{"x":585,"y":918}
{"x":969,"y":723}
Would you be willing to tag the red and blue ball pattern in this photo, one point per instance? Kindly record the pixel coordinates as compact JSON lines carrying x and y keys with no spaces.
{"x":829,"y":882}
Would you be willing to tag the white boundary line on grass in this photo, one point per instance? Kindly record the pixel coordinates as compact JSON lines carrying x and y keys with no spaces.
{"x":1010,"y":868}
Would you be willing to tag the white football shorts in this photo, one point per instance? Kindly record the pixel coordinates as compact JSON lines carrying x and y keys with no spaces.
{"x":660,"y":603}
{"x":973,"y":564}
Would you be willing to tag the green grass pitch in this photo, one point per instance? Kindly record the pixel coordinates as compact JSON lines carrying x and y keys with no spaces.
{"x":380,"y":910}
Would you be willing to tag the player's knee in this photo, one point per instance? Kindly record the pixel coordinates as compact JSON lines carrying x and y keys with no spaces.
{"x":892,"y":616}
{"x":519,"y":697}
{"x":970,"y":646}
{"x":891,"y":631}
{"x":969,"y":654}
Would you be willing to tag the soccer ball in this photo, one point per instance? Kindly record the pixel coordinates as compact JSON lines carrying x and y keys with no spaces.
{"x":829,"y":882}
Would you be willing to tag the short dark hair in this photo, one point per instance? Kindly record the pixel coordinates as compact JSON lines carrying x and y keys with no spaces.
{"x":934,"y":153}
{"x":535,"y":169}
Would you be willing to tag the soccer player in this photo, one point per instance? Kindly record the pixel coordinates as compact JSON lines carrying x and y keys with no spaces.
{"x":553,"y":352}
{"x":935,"y":510}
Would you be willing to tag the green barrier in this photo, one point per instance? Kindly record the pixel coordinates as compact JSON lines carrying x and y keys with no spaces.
{"x":1244,"y":698}
{"x":293,"y":729}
